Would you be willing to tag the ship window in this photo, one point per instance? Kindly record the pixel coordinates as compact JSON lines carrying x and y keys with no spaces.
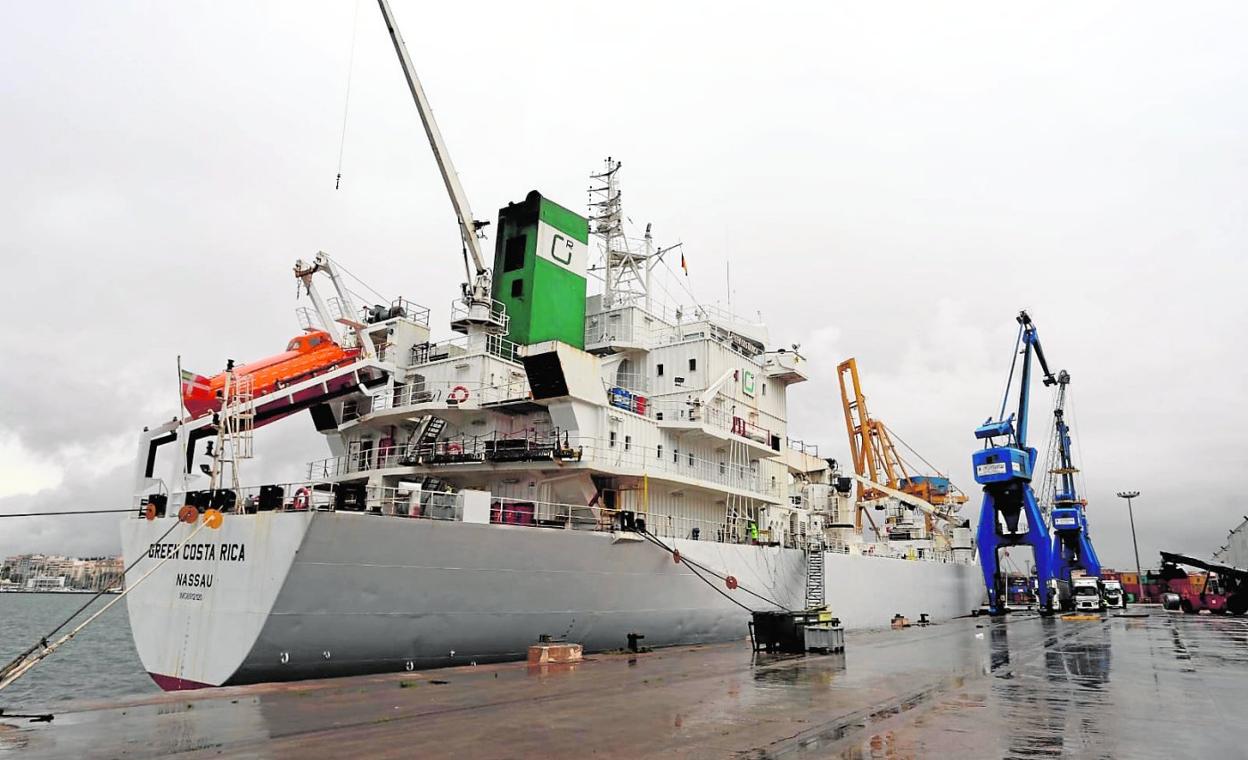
{"x":611,"y":439}
{"x":294,"y":345}
{"x":675,"y":455}
{"x":660,"y":451}
{"x":517,"y":288}
{"x":513,"y":254}
{"x":314,"y":341}
{"x":693,"y":365}
{"x":690,"y":458}
{"x":659,"y":370}
{"x":721,"y":468}
{"x":628,"y":442}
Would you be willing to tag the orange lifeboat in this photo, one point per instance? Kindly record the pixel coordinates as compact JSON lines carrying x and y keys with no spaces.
{"x":305,"y":356}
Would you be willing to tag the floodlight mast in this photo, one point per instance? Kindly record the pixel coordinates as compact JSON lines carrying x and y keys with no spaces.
{"x":469,"y":228}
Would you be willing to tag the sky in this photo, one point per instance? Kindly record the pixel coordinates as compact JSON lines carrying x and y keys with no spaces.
{"x":892,"y":182}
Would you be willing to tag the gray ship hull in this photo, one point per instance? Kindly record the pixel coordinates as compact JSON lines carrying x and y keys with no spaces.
{"x":332,"y":593}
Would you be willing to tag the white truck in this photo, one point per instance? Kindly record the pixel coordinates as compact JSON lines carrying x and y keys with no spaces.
{"x":1112,"y":592}
{"x":1086,"y":591}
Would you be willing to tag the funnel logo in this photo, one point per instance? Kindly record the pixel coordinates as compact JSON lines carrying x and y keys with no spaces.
{"x":561,"y":250}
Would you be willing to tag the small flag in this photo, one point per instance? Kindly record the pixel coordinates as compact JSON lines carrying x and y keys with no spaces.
{"x":683,"y":264}
{"x":192,"y":381}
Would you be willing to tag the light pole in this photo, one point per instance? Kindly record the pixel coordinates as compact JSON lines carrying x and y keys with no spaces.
{"x":1139,"y":574}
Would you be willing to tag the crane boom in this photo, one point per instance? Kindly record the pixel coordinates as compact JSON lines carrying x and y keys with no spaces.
{"x":468,"y":226}
{"x":922,"y":505}
{"x":1031,"y":343}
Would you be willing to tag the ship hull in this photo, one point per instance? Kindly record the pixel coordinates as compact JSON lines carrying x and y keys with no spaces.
{"x":330,"y":593}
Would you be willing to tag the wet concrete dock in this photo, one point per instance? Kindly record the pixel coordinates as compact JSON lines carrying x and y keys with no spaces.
{"x":1164,"y":685}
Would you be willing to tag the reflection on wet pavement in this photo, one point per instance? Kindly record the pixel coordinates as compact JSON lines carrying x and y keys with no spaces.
{"x":1165,"y":685}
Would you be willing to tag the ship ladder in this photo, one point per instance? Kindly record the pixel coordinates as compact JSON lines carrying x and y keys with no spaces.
{"x":814,"y":577}
{"x":432,"y":428}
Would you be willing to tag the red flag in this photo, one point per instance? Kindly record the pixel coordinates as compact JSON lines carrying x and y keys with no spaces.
{"x":683,"y":264}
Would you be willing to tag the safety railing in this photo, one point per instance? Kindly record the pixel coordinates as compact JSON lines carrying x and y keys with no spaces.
{"x":617,"y":453}
{"x":319,"y":495}
{"x":398,"y":308}
{"x":711,"y":416}
{"x":810,"y":449}
{"x":466,"y":311}
{"x":450,"y":393}
{"x":476,"y":344}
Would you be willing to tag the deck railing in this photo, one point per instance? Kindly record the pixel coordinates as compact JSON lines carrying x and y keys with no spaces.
{"x":617,"y":453}
{"x":476,"y":344}
{"x":416,"y":503}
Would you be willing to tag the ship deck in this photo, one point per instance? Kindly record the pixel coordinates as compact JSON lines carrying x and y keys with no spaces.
{"x":1161,"y":685}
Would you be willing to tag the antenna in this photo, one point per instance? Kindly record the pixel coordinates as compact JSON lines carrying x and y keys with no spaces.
{"x":626,"y":273}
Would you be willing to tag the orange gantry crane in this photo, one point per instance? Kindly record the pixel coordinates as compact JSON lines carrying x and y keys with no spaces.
{"x":876,"y":458}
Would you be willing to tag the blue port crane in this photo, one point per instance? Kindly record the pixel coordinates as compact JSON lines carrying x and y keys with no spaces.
{"x":1072,"y":545}
{"x":1009,"y":515}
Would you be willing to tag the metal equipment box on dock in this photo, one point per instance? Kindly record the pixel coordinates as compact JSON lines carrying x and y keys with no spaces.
{"x":797,"y":632}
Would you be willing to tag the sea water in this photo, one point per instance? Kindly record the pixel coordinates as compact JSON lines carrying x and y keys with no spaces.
{"x":98,"y":663}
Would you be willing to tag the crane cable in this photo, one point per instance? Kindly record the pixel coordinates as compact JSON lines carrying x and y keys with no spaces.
{"x":1078,"y":445}
{"x":358,"y":279}
{"x":912,"y":450}
{"x":1005,"y":398}
{"x":342,"y":142}
{"x":31,"y":657}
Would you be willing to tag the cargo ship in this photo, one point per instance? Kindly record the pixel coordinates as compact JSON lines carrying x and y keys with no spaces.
{"x":574,"y":462}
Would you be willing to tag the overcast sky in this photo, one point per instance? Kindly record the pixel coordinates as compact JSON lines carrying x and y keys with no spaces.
{"x":889,"y":181}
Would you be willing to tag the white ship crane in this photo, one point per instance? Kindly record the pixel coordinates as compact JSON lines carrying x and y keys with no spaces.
{"x":479,"y":309}
{"x":346,"y":312}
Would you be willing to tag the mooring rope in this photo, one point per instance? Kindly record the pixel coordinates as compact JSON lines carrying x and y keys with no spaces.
{"x":70,"y":512}
{"x":693,"y":564}
{"x":31,"y":657}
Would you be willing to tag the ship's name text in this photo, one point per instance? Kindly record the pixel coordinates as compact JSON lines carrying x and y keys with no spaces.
{"x":223,"y":552}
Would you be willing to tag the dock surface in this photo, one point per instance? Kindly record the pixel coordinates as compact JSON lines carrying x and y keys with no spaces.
{"x":1165,"y":685}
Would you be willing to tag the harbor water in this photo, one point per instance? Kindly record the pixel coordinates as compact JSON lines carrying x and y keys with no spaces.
{"x":100,"y":663}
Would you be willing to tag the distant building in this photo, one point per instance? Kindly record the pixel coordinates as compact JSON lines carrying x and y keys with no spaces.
{"x":44,"y":572}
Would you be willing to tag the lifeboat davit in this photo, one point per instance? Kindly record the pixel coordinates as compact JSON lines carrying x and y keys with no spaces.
{"x":306,"y":355}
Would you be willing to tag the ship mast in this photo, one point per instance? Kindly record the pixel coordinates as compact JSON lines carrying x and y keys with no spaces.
{"x":626,"y":274}
{"x":482,"y":310}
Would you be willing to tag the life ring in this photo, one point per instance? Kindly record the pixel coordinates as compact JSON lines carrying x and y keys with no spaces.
{"x":150,"y":512}
{"x":458,"y":395}
{"x":188,"y":514}
{"x":454,"y":448}
{"x":301,"y":499}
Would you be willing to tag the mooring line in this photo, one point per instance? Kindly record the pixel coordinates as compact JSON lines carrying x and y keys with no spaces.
{"x":28,"y":659}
